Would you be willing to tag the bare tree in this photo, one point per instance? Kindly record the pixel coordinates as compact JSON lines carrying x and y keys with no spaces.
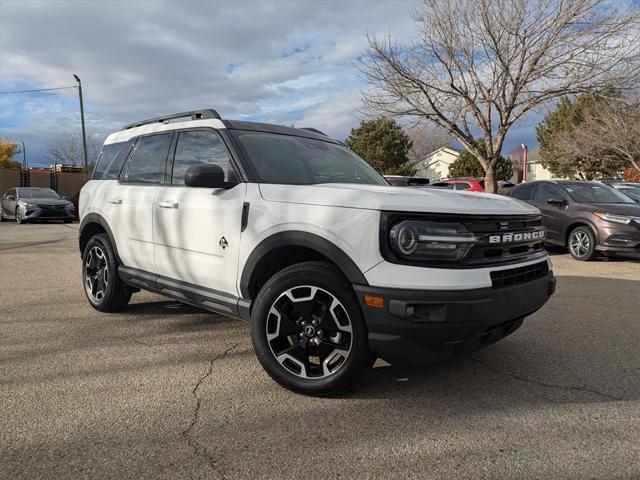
{"x":67,"y":149}
{"x":478,"y":67}
{"x":425,"y":140}
{"x":609,"y":137}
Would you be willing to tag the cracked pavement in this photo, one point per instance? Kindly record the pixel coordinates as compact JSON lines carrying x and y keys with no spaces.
{"x":164,"y":390}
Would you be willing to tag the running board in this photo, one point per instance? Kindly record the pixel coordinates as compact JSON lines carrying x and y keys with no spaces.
{"x":205,"y":298}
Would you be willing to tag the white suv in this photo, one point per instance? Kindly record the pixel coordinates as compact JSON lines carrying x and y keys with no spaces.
{"x":292,"y":231}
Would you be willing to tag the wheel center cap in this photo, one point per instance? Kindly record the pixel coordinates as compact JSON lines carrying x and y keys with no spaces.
{"x":309,"y":331}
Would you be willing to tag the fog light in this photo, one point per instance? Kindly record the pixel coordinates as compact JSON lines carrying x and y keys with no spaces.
{"x":620,"y":239}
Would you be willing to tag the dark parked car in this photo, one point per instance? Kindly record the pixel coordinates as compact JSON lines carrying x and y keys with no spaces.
{"x":24,"y":204}
{"x":402,"y":181}
{"x":586,"y":217}
{"x":630,"y":189}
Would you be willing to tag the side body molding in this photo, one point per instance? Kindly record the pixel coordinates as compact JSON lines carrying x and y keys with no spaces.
{"x":297,"y":239}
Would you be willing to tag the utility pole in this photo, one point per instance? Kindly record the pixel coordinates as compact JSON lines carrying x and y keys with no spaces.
{"x":84,"y":136}
{"x":525,"y":155}
{"x":24,"y":157}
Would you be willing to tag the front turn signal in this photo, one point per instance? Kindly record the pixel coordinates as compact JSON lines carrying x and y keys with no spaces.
{"x":374,"y":301}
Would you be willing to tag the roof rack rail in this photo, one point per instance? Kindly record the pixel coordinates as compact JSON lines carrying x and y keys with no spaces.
{"x":314,"y":130}
{"x":195,"y":115}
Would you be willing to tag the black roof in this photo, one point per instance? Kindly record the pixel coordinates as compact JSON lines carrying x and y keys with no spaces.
{"x":271,"y":128}
{"x":208,"y":113}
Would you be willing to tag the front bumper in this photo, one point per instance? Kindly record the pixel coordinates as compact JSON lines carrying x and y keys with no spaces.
{"x":48,"y":213}
{"x":618,"y":238}
{"x":423,"y":327}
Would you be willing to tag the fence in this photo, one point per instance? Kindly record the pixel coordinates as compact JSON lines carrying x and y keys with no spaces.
{"x":66,"y":183}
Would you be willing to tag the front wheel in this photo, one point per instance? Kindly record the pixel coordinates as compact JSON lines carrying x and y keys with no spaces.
{"x":102,"y":285}
{"x":308,"y":332}
{"x":19,"y":218}
{"x":582,"y":243}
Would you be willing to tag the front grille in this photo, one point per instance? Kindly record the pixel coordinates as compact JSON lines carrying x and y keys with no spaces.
{"x":518,"y":275}
{"x":51,"y":210}
{"x":522,"y":244}
{"x":499,"y":240}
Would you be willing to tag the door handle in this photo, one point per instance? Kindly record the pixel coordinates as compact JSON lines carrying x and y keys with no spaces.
{"x":115,"y":201}
{"x":168,"y":204}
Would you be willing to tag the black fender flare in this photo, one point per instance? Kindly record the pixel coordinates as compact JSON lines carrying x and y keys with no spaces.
{"x":299,"y":239}
{"x":91,"y":218}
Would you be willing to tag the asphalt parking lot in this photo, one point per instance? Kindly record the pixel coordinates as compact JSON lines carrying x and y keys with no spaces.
{"x":164,"y":390}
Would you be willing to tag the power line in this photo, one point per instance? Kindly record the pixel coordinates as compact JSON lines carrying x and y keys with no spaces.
{"x":38,"y":90}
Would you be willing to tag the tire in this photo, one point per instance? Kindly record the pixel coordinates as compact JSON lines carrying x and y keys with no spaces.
{"x":582,"y":243}
{"x":311,"y":311}
{"x":102,"y":285}
{"x":2,"y":218}
{"x":19,"y":219}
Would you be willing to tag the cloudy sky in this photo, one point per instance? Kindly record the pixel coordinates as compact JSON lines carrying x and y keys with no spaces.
{"x":288,"y":62}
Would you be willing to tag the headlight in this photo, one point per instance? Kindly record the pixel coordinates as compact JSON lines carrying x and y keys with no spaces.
{"x":612,"y":217}
{"x":28,"y":205}
{"x":425,"y":240}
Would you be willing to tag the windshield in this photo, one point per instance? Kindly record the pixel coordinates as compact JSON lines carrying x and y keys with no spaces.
{"x":287,"y":159}
{"x":37,"y":193}
{"x":594,"y":193}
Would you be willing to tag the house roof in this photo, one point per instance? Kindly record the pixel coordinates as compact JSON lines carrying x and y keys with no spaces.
{"x":450,"y":150}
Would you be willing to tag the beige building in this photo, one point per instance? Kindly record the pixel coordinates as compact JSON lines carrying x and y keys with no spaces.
{"x":435,"y":166}
{"x":535,"y":171}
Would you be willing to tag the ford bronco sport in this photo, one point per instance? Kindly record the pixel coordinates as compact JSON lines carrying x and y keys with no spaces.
{"x":292,"y":231}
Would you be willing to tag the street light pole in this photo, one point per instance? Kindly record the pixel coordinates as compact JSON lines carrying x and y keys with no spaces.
{"x":84,"y":135}
{"x":525,"y":157}
{"x":24,"y":157}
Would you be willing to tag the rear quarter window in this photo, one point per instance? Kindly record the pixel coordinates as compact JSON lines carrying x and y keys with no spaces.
{"x":107,"y":155}
{"x":522,"y":192}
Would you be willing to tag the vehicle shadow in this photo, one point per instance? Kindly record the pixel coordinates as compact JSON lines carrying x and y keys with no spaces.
{"x":554,"y":251}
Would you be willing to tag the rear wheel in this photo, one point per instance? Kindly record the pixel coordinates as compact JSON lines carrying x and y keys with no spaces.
{"x":308,"y":331}
{"x":582,"y":243}
{"x":102,"y":285}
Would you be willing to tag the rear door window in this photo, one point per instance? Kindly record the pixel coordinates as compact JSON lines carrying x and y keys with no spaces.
{"x":461,"y":185}
{"x":148,"y":159}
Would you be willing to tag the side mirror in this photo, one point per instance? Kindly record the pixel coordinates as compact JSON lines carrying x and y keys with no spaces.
{"x":558,"y":202}
{"x":11,"y":197}
{"x":207,"y":176}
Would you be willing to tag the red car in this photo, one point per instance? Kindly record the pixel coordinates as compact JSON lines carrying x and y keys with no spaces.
{"x":469,"y":184}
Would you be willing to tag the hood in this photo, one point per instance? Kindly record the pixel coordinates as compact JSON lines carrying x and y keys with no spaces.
{"x":631,"y":209}
{"x":45,"y":201}
{"x":404,"y":199}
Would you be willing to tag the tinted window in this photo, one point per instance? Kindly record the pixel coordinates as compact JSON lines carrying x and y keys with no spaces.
{"x":113,"y":170}
{"x":545,"y":192}
{"x":522,"y":192}
{"x":198,"y":147}
{"x":37,"y":193}
{"x":402,"y":181}
{"x":107,"y":155}
{"x":10,"y":192}
{"x":148,"y":159}
{"x":288,"y":159}
{"x":461,"y":186}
